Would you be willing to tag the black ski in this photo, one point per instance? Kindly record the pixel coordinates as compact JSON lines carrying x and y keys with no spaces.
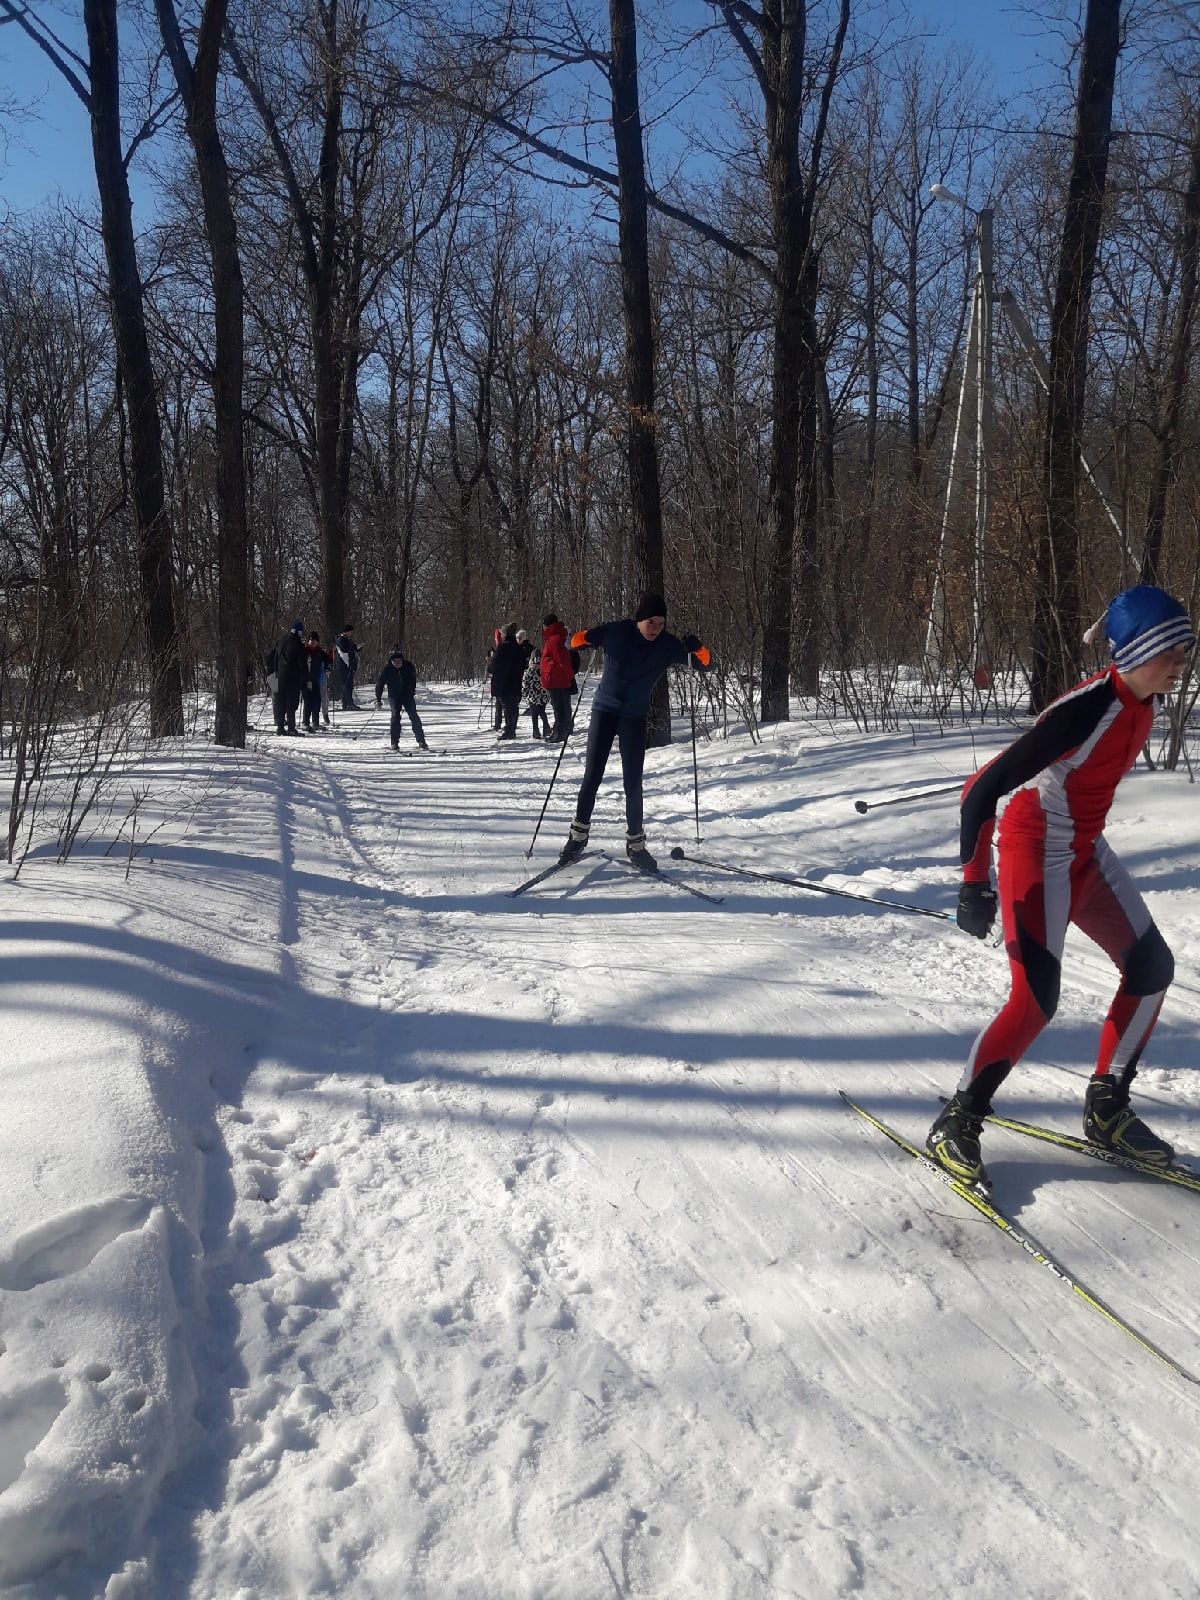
{"x":679,"y":854}
{"x":666,"y":877}
{"x":419,"y":752}
{"x":986,"y":1207}
{"x":547,"y":872}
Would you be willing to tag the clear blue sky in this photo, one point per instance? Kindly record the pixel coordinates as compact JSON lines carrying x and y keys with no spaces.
{"x":51,"y":151}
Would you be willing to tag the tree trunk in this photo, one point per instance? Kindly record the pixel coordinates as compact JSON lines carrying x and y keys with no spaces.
{"x":198,"y":88}
{"x":137,"y":374}
{"x":639,"y":326}
{"x":1057,"y":623}
{"x":783,"y":84}
{"x":1168,"y":450}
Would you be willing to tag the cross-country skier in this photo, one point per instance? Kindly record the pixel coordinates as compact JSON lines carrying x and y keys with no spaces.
{"x":1054,"y":867}
{"x":637,"y":652}
{"x":399,"y":679}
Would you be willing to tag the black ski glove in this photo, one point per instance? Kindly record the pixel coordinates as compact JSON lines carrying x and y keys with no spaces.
{"x":976,"y":909}
{"x":690,"y":642}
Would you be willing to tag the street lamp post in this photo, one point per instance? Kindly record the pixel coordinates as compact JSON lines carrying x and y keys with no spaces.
{"x":977,"y":366}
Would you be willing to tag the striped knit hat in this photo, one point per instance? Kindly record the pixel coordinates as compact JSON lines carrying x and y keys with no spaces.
{"x":1144,"y":621}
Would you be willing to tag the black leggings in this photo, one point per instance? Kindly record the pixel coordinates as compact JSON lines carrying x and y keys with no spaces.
{"x":630,"y":734}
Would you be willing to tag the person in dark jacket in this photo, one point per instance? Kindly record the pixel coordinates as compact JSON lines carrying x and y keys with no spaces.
{"x":497,"y":708}
{"x":347,"y":652}
{"x":399,"y":679}
{"x":558,"y":674}
{"x":508,"y":668}
{"x":637,"y":652}
{"x":316,"y":665}
{"x":285,"y":663}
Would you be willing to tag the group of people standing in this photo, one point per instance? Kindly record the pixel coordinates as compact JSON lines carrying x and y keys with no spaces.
{"x":517,"y":670}
{"x":302,"y":672}
{"x":299,"y":670}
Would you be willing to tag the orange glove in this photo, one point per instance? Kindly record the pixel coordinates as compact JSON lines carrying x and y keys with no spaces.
{"x":579,"y":641}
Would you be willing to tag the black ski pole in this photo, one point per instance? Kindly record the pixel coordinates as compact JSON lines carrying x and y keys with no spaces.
{"x":863,"y":806}
{"x":695,"y":766}
{"x":561,"y":753}
{"x":679,"y":854}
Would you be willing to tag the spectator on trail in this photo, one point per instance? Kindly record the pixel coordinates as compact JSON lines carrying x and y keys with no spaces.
{"x":1054,"y":867}
{"x":399,"y":679}
{"x":508,"y":668}
{"x":285,"y":663}
{"x":535,"y":696}
{"x":558,"y":674}
{"x":637,"y":651}
{"x":347,"y":652}
{"x":316,"y":668}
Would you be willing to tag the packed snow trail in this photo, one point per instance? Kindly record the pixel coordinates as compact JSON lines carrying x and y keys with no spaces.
{"x":540,"y":1257}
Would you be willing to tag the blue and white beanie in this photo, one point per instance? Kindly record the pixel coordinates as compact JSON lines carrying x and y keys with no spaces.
{"x":1144,"y":621}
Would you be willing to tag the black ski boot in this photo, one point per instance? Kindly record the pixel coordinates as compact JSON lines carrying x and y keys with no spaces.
{"x":1108,"y":1122}
{"x":639,"y":856}
{"x":953,"y":1142}
{"x":576,"y":843}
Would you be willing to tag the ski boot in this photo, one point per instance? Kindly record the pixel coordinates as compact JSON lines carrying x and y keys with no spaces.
{"x":639,"y":856}
{"x":1108,"y":1122}
{"x":576,"y":843}
{"x":953,"y":1142}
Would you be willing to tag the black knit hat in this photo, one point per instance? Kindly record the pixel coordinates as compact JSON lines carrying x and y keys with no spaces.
{"x":650,"y":605}
{"x":548,"y":619}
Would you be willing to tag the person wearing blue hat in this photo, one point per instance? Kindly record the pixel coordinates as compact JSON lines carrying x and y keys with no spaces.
{"x":1054,"y":867}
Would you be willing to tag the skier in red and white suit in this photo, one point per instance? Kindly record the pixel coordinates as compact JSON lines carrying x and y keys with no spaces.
{"x":1055,"y":867}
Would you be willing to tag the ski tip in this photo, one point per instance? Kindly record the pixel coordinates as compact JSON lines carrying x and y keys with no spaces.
{"x":861,"y":807}
{"x":678,"y":853}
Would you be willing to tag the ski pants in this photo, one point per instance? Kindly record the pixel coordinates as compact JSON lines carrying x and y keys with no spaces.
{"x":560,"y":704}
{"x":630,"y":734}
{"x":537,"y":715}
{"x":1041,"y":890}
{"x":399,"y":707}
{"x":348,"y":674}
{"x":312,"y":706}
{"x":512,"y":711}
{"x":285,"y":702}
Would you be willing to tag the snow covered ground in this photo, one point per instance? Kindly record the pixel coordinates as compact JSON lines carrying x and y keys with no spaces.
{"x":365,"y":1232}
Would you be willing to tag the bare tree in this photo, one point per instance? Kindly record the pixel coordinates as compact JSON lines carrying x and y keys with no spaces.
{"x":1057,"y":624}
{"x":99,"y":91}
{"x":197,"y":83}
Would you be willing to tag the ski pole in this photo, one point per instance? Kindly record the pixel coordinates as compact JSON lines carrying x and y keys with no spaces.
{"x":679,"y":854}
{"x":561,"y":753}
{"x":863,"y":806}
{"x":695,"y":767}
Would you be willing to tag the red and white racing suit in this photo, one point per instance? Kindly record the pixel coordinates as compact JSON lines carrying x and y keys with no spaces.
{"x":1056,"y":867}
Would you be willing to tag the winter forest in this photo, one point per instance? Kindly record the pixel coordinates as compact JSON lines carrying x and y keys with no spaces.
{"x":438,"y":316}
{"x":430,"y":1172}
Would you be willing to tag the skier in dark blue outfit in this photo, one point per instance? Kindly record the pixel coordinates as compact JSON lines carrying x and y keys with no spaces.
{"x":637,"y":652}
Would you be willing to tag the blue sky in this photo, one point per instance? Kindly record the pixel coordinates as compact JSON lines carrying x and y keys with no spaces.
{"x":51,"y":151}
